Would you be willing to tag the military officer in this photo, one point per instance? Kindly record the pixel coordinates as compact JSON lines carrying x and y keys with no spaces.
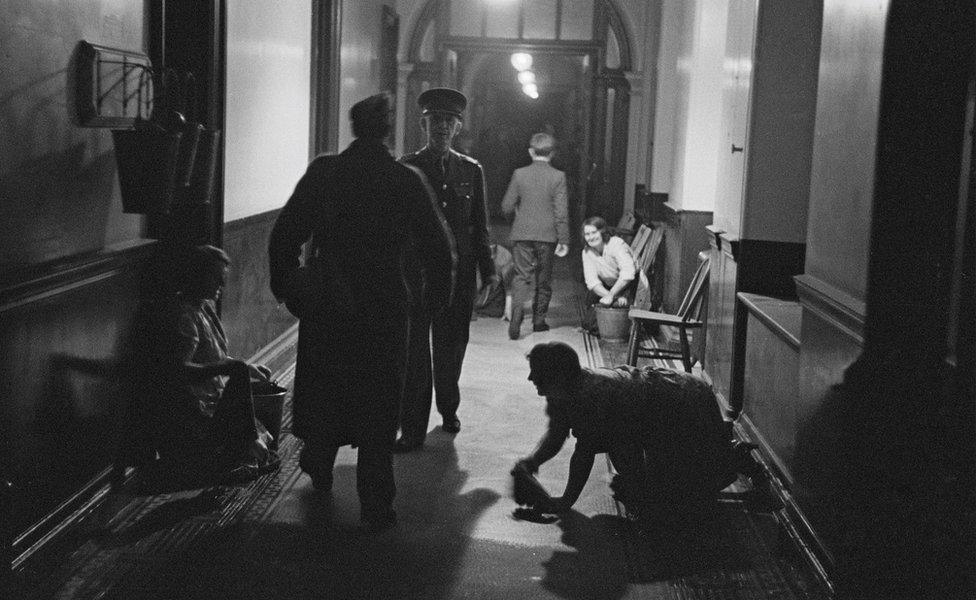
{"x":459,"y":184}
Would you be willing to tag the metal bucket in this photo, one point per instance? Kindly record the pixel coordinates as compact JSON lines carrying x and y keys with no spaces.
{"x":613,"y":323}
{"x":269,"y":403}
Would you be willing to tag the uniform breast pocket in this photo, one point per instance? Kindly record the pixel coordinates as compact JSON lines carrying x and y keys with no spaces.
{"x":462,"y":193}
{"x":463,"y":190}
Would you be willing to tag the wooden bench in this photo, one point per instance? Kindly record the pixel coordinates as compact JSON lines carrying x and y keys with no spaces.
{"x":646,"y":244}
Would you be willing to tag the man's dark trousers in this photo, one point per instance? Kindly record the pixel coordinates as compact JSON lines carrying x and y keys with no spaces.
{"x":449,"y":331}
{"x":533,"y":264}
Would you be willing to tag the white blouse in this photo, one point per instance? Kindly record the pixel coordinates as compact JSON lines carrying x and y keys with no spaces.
{"x":616,"y":262}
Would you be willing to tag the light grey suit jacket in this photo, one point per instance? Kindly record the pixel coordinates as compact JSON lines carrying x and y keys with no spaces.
{"x":537,"y":196}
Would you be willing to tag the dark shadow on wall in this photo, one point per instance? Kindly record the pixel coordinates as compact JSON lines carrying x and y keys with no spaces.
{"x":884,"y":471}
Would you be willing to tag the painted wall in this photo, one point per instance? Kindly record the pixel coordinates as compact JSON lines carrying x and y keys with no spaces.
{"x":783,"y":105}
{"x":670,"y":86}
{"x":54,"y":175}
{"x":69,"y":256}
{"x":845,"y":135}
{"x":689,"y":91}
{"x":359,"y":75}
{"x":267,"y":122}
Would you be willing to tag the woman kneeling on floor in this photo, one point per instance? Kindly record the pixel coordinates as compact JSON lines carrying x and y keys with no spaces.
{"x":662,"y":430}
{"x":609,"y":270}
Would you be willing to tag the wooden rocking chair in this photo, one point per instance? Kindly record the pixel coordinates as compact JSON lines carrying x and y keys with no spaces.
{"x":689,"y":316}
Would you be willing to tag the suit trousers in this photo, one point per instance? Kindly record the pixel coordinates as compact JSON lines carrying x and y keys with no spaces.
{"x":374,"y":472}
{"x":533,"y":265}
{"x":438,"y":343}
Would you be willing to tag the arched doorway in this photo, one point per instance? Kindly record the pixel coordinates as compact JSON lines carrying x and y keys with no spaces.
{"x":502,"y":118}
{"x":580,"y":52}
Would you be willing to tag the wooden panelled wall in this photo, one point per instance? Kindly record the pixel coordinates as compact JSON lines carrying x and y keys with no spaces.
{"x":61,"y":402}
{"x":252,"y":317}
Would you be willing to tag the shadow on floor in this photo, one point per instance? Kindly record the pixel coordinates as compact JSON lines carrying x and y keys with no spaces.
{"x":709,"y":545}
{"x":698,"y":555}
{"x":592,"y":568}
{"x":316,"y":549}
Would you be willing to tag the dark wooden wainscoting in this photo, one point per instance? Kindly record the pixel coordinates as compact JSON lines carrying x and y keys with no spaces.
{"x":249,"y":311}
{"x":737,"y":265}
{"x":771,"y":370}
{"x":684,"y":238}
{"x":62,"y":327}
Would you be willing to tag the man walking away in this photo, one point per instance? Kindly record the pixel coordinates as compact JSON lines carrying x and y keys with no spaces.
{"x":537,"y":197}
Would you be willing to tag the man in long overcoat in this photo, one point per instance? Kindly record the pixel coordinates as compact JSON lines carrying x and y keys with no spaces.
{"x":360,"y":210}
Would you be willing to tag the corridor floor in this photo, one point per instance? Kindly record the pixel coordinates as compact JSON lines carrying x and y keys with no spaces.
{"x":457,"y":537}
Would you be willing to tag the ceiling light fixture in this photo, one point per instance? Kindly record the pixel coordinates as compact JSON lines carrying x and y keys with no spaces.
{"x":522,"y":61}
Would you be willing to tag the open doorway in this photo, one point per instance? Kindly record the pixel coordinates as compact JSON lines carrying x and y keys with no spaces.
{"x":581,"y":57}
{"x":502,"y":118}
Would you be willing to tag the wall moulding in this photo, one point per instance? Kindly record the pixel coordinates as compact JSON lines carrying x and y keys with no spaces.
{"x":45,"y":281}
{"x":841,"y":310}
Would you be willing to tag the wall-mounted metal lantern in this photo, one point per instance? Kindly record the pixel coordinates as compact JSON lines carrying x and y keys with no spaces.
{"x":113,"y":88}
{"x":162,"y":157}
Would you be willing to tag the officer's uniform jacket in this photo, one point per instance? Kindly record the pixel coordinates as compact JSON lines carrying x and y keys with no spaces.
{"x":460,"y":190}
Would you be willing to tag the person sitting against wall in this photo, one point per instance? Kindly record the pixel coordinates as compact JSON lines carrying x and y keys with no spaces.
{"x":200,"y":403}
{"x":662,"y":429}
{"x":609,"y":269}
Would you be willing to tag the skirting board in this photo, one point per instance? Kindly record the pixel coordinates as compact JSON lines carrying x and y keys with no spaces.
{"x":791,"y":519}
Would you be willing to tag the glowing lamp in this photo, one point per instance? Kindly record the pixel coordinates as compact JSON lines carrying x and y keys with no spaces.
{"x":522,"y":61}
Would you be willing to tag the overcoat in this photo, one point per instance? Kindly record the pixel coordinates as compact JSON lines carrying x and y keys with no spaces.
{"x":360,"y":210}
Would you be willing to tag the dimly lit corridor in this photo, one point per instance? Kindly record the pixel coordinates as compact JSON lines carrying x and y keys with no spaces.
{"x":794,"y":180}
{"x":457,"y":536}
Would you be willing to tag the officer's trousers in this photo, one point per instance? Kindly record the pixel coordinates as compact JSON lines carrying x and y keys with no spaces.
{"x":437,"y":346}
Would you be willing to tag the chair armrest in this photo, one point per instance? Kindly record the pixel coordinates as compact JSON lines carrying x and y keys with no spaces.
{"x":638,"y":314}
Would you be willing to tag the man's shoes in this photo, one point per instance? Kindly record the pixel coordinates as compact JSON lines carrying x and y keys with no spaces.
{"x":537,"y":327}
{"x":322,"y":482}
{"x":515,"y":325}
{"x":451,"y":424}
{"x":320,"y":475}
{"x":406,"y":444}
